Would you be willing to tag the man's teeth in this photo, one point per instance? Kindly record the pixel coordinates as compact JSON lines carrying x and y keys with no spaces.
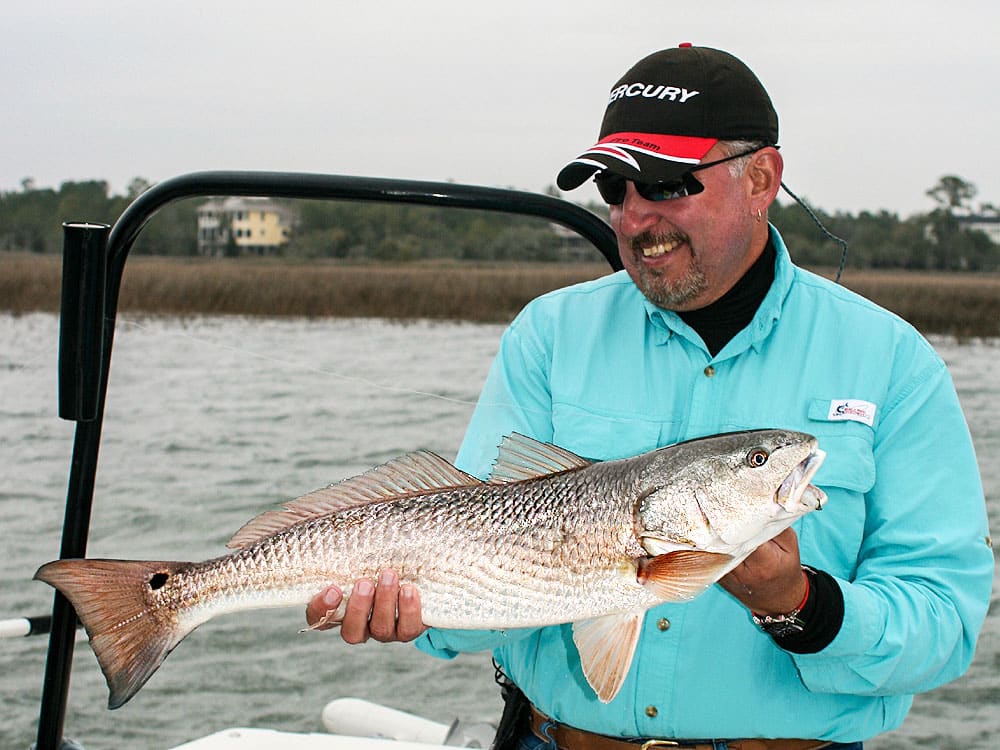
{"x":660,"y":248}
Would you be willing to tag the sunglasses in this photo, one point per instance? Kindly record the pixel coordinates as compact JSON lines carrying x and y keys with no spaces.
{"x":612,"y":186}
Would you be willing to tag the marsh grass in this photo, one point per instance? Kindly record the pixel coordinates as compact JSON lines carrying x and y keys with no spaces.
{"x":963,"y":305}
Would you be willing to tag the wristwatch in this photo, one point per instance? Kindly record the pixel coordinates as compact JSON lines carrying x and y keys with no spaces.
{"x":780,"y":626}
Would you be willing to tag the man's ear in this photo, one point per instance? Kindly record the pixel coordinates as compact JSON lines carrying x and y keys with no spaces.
{"x":764,"y":171}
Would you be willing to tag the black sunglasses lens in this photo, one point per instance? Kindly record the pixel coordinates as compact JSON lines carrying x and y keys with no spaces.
{"x":683,"y":186}
{"x":611,"y":187}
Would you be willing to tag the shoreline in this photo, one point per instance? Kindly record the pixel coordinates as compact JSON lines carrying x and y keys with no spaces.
{"x":957,"y":304}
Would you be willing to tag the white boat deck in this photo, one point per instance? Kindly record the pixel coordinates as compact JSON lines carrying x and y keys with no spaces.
{"x":354,"y":724}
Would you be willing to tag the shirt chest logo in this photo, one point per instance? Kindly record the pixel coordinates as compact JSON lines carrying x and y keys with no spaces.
{"x":852,"y":409}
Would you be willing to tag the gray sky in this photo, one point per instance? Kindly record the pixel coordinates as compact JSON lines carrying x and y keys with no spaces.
{"x":877,"y":100}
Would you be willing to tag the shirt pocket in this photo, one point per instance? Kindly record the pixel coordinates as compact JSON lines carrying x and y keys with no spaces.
{"x":831,"y":539}
{"x":600,"y":436}
{"x":850,"y":457}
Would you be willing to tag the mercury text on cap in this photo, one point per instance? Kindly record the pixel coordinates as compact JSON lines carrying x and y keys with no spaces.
{"x":649,"y":91}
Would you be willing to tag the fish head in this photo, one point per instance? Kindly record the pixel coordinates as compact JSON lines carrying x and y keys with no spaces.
{"x":727,"y":493}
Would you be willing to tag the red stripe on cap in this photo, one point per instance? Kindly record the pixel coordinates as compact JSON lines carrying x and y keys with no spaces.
{"x":685,"y":148}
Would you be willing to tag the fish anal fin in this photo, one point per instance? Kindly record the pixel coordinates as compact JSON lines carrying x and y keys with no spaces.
{"x":606,"y":646}
{"x":521,"y":457}
{"x":683,"y":574}
{"x":130,"y":637}
{"x":420,"y":472}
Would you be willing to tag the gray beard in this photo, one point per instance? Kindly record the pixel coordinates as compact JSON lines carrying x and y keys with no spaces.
{"x":671,"y":296}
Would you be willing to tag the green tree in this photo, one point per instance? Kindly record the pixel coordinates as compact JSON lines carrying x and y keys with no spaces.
{"x":952,"y":192}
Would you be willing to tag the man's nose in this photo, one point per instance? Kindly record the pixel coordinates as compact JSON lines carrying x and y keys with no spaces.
{"x":637,"y":214}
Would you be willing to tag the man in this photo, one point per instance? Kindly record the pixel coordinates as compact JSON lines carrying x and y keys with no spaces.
{"x":826,"y":632}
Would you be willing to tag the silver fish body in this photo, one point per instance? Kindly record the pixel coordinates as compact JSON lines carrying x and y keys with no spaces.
{"x":551,"y":538}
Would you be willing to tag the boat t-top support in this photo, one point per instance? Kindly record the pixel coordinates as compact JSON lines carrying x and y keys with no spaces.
{"x":94,"y":258}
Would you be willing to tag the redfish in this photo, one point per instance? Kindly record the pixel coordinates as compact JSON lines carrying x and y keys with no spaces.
{"x":550,"y":538}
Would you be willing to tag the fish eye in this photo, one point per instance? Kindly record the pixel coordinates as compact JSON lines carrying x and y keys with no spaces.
{"x":757,"y":457}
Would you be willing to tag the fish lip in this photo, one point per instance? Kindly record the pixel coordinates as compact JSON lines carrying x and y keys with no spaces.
{"x":795,"y":492}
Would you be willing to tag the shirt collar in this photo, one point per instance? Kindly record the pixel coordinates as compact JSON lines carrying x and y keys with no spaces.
{"x":667,"y":323}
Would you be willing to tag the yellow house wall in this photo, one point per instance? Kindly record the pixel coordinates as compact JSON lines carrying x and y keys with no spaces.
{"x":264,"y":229}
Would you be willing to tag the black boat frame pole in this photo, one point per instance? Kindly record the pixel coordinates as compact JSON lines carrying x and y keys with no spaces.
{"x":93,"y":265}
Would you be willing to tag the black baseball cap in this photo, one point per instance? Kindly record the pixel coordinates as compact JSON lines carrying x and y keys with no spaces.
{"x":668,"y":111}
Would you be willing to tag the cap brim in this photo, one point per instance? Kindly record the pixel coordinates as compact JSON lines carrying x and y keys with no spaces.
{"x":643,"y":157}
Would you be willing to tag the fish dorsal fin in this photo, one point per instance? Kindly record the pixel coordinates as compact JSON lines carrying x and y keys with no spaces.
{"x":683,"y":574}
{"x":606,"y":645}
{"x":415,"y":473}
{"x":521,"y":457}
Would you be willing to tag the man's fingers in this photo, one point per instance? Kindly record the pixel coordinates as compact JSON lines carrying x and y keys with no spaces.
{"x":382,"y":624}
{"x":410,"y":623}
{"x":384,"y":611}
{"x":324,"y":602}
{"x":354,"y":628}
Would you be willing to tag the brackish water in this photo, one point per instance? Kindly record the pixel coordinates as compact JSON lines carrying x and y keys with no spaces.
{"x":211,"y":420}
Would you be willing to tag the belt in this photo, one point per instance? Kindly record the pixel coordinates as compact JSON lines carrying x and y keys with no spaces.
{"x":570,"y":738}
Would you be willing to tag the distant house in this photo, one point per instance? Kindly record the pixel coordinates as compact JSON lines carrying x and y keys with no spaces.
{"x":987,"y":221}
{"x":243,"y":226}
{"x":573,"y":246}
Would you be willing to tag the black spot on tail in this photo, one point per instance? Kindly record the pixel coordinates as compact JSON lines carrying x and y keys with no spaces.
{"x":158,"y":580}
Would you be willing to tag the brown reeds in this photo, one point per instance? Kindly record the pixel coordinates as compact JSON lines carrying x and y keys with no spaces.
{"x":964,"y":305}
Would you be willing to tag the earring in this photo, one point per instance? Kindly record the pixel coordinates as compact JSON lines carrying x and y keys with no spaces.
{"x":760,"y":216}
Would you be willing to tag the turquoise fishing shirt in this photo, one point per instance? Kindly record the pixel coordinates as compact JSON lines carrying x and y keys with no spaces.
{"x":597,"y":369}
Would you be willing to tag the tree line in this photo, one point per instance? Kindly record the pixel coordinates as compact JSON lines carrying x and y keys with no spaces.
{"x":31,"y":220}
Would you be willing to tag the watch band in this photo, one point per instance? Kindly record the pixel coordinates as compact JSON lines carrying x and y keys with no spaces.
{"x":779,"y":626}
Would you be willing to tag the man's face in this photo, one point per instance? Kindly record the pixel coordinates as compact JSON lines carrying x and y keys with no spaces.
{"x":685,"y":253}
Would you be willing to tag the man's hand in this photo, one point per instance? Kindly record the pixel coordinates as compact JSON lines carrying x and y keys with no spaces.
{"x":386,"y":611}
{"x":770,"y":581}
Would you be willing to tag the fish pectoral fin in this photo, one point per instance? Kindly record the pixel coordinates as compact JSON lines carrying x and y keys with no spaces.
{"x":683,"y":574}
{"x":606,"y":645}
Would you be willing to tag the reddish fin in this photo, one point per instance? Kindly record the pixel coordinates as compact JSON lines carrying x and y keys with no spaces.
{"x":606,"y":646}
{"x":522,"y":457}
{"x":682,"y":575}
{"x":129,"y":634}
{"x":420,"y":472}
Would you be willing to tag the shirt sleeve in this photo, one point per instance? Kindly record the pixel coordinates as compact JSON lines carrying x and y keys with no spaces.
{"x":447,"y":644}
{"x":914,"y":607}
{"x":515,"y":398}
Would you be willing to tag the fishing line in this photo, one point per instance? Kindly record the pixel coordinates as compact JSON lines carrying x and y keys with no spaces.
{"x":812,"y":215}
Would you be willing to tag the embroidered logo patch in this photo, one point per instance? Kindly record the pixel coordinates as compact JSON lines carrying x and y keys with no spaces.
{"x":852,"y":409}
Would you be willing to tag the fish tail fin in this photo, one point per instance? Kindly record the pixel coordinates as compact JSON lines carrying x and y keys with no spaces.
{"x":131,"y":633}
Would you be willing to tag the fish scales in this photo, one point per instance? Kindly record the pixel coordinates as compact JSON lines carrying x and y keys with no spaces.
{"x":551,"y":538}
{"x":485,"y":556}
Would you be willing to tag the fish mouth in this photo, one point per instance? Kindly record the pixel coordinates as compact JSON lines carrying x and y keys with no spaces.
{"x":795,"y":494}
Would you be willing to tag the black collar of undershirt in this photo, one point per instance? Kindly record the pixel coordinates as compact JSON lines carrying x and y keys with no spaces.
{"x":718,"y":322}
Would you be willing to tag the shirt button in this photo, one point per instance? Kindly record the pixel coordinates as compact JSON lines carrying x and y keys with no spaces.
{"x":663,"y":623}
{"x":651,"y":711}
{"x":709,"y":371}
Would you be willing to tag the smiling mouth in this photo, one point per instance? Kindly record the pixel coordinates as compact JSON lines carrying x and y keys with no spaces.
{"x":661,"y":248}
{"x":655,"y":247}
